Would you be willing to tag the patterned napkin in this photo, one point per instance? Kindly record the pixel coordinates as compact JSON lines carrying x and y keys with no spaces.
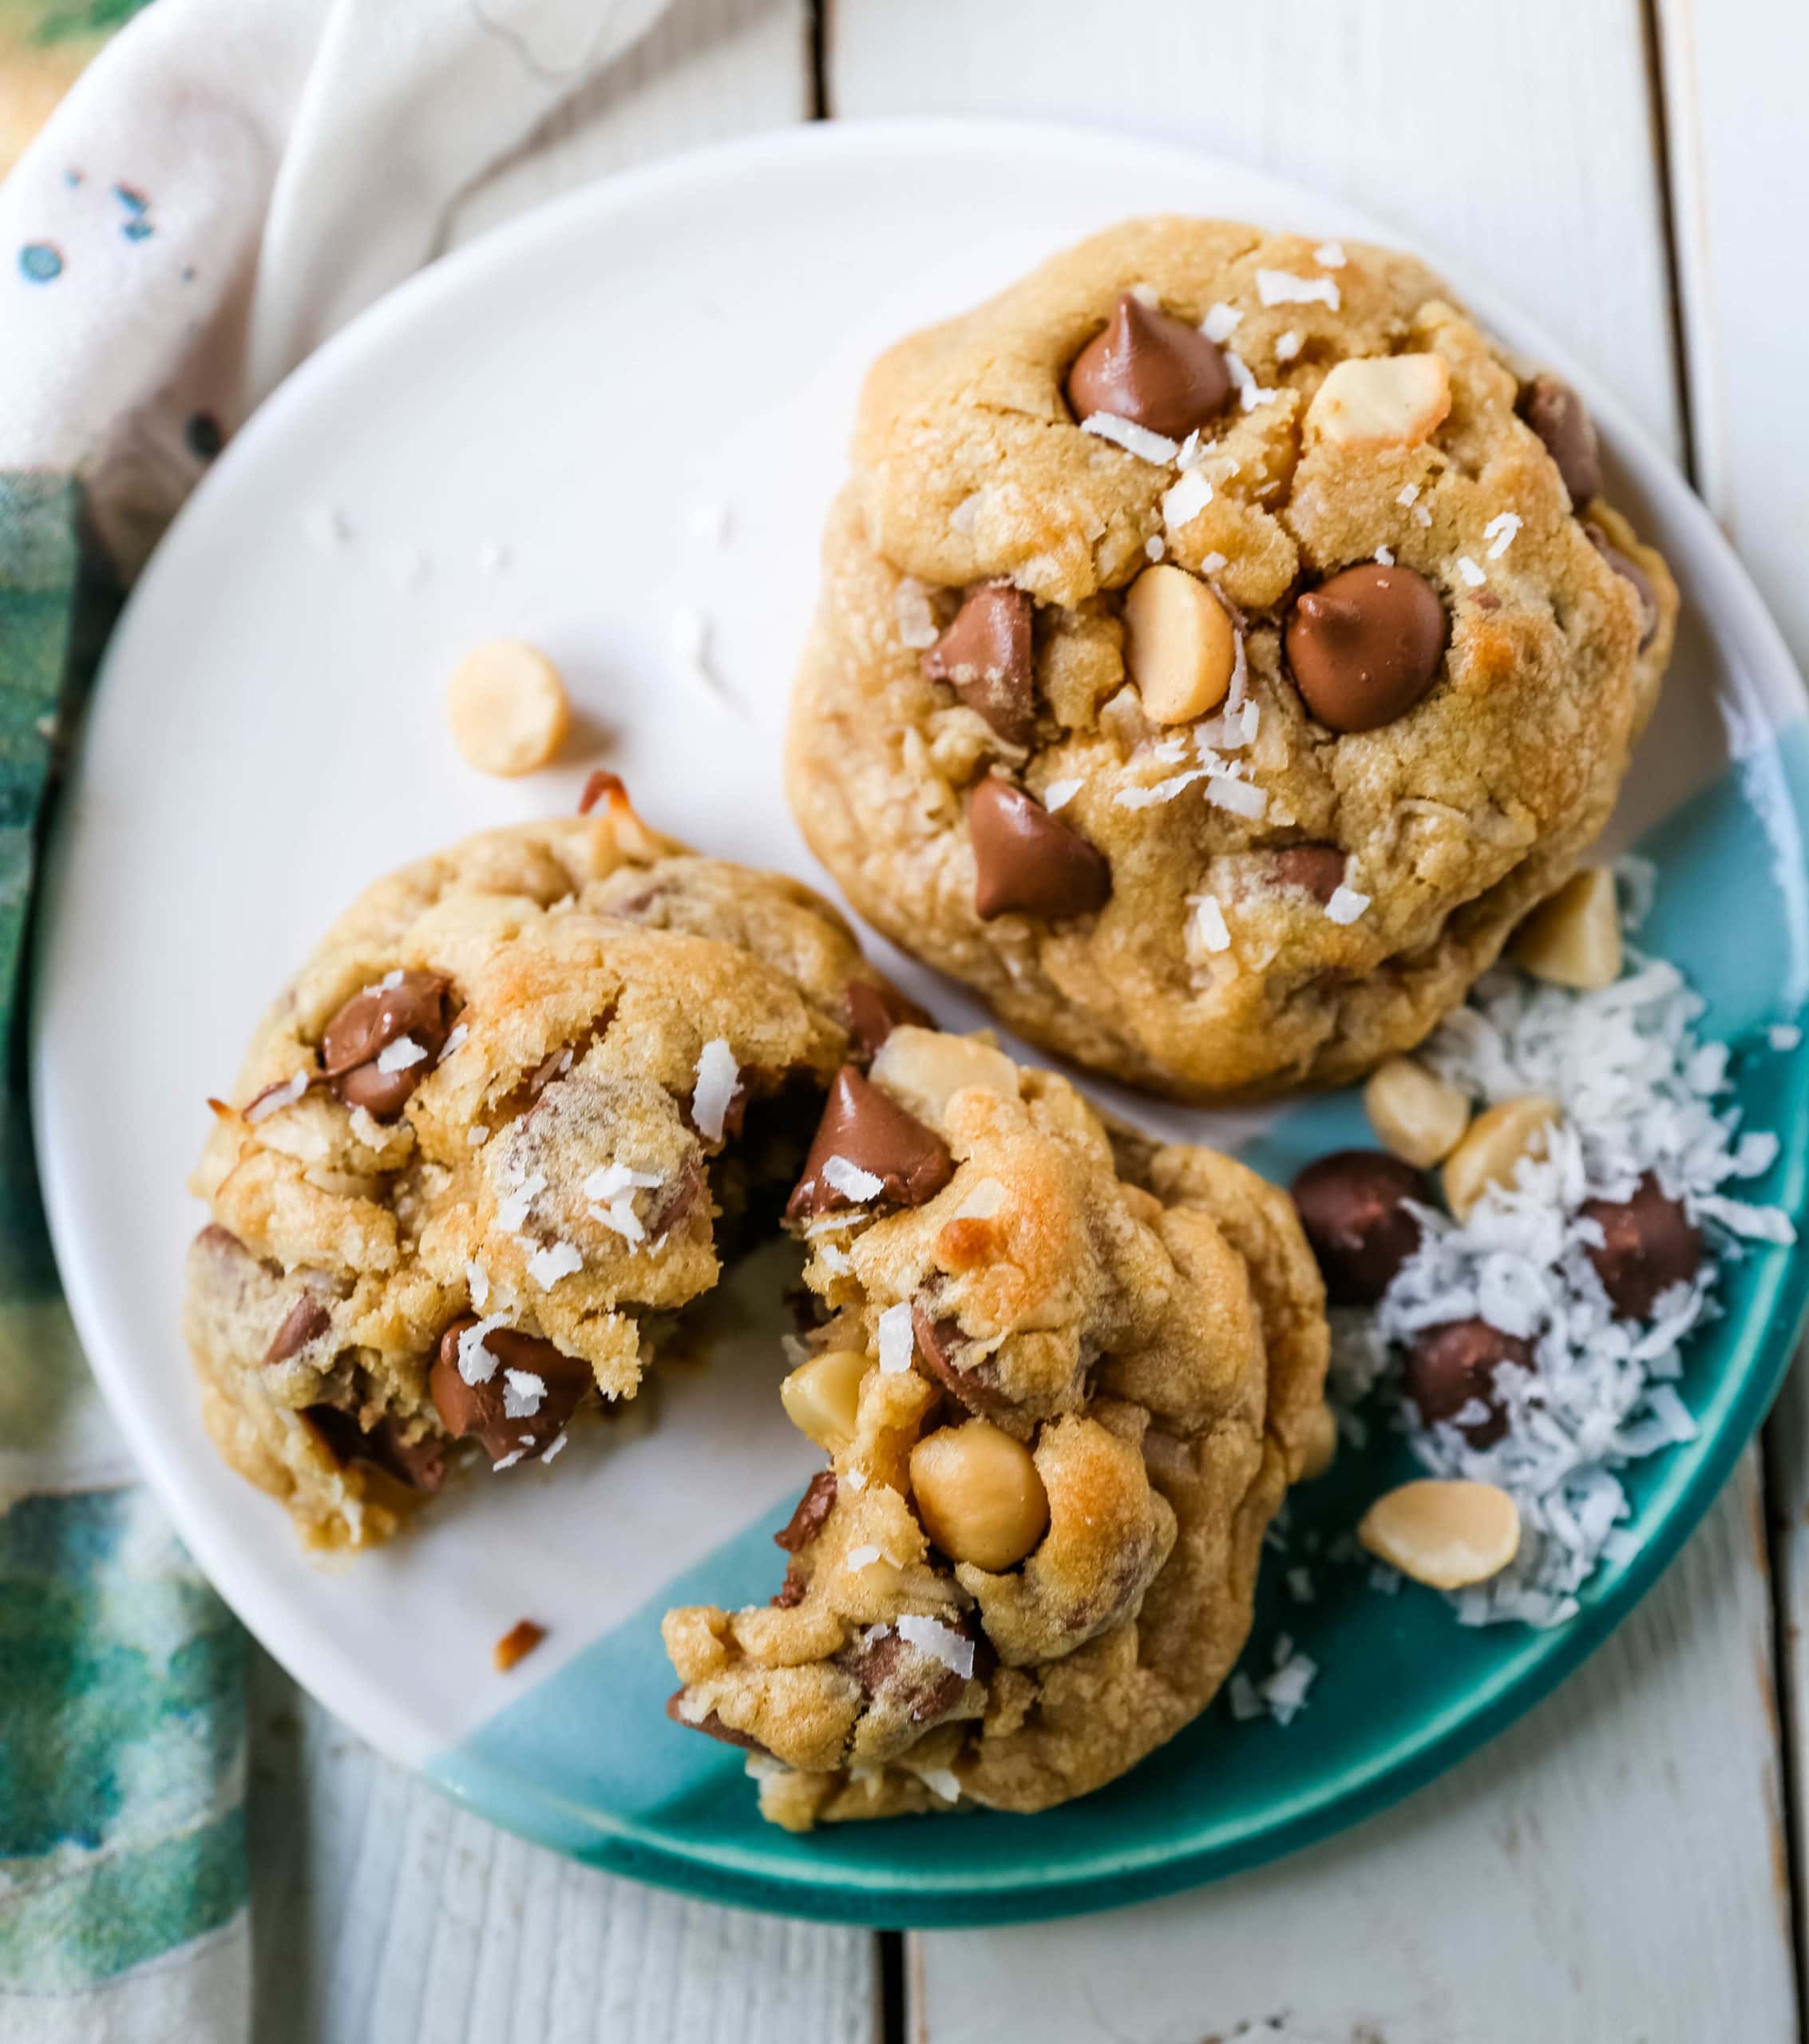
{"x":226,"y":184}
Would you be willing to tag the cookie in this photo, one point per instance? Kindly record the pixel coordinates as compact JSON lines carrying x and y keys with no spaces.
{"x":507,"y":1122}
{"x":1223,"y":643}
{"x":1064,"y":1377}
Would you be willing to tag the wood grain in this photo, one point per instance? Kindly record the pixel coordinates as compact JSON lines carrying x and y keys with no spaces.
{"x":1554,"y":1886}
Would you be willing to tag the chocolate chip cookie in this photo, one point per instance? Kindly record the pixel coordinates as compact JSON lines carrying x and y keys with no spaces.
{"x":1064,"y":1377}
{"x":505,"y":1124}
{"x":1223,"y":644}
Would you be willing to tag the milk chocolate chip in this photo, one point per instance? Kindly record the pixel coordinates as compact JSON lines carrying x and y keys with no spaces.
{"x":874,"y":1008}
{"x":1353,"y":1205}
{"x":985,"y":657}
{"x":307,"y":1317}
{"x":1630,"y":571}
{"x":560,"y":1381}
{"x":867,"y":1130}
{"x":1648,"y":1245}
{"x":1026,"y":859}
{"x":1556,"y":413}
{"x":1450,"y":1365}
{"x":1151,"y":368}
{"x":1320,"y":868}
{"x":415,"y":1007}
{"x":813,"y":1508}
{"x":1365,"y":646}
{"x":711,"y":1725}
{"x":420,"y":1465}
{"x":941,"y":1343}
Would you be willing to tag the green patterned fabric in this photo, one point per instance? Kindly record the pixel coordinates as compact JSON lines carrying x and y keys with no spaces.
{"x":121,"y":1673}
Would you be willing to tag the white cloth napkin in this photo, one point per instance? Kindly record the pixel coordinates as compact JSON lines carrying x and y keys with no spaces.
{"x":229,"y":183}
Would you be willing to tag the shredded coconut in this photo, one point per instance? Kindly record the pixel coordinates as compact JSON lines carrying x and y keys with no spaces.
{"x":941,"y":1642}
{"x":476,"y":1363}
{"x":897,"y":1344}
{"x":1154,"y":547}
{"x":477,"y":1283}
{"x":454,"y":1042}
{"x":1386,"y":556}
{"x":860,"y":1558}
{"x":1134,"y":439}
{"x":851,"y":1182}
{"x":1206,"y":924}
{"x":940,"y":1781}
{"x":1250,"y":393}
{"x":511,"y":1212}
{"x":1287,"y":345}
{"x":1422,"y":516}
{"x":546,"y":1267}
{"x":1500,"y":531}
{"x":1407,"y":493}
{"x":1330,"y":254}
{"x":1471,"y":573}
{"x":1221,"y":322}
{"x":1639,"y":1095}
{"x":522,"y":1390}
{"x":1240,"y":797}
{"x":1187,"y":498}
{"x":1212,"y":563}
{"x":558,"y":1448}
{"x":1059,"y":794}
{"x":917,"y":621}
{"x":1282,"y":288}
{"x":1346,"y":905}
{"x":718,"y":1074}
{"x":273,"y":1098}
{"x":611,"y":1181}
{"x":476,"y":1136}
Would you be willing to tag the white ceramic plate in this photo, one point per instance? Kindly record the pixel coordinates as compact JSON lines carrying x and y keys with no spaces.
{"x":581,"y":391}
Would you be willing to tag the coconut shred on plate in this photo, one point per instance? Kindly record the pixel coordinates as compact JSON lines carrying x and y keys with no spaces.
{"x":1534,"y":1340}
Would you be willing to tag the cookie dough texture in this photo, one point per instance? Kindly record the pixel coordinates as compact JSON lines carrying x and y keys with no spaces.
{"x":1453,"y":819}
{"x":1148,"y":1323}
{"x":589,"y":964}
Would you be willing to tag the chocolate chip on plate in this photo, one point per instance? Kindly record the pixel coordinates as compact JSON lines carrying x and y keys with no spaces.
{"x":405,"y":1009}
{"x":1366,"y":645}
{"x":985,"y":657}
{"x":867,"y":1130}
{"x":1320,"y":868}
{"x":1649,"y":1244}
{"x":529,"y":1371}
{"x":1450,"y":1365}
{"x":1147,"y":366}
{"x":1353,"y":1207}
{"x":1630,"y":571}
{"x":1025,"y":859}
{"x":1557,"y":414}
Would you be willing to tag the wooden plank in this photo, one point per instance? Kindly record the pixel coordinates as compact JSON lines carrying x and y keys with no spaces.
{"x":707,"y":70}
{"x":1737,"y":173}
{"x":1515,"y":143}
{"x":384,"y":1914}
{"x":1555,"y":1884}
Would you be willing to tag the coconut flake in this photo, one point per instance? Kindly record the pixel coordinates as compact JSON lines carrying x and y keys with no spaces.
{"x":511,"y":1212}
{"x":1471,"y":573}
{"x":475,"y":1136}
{"x":557,"y":1447}
{"x":1346,"y":905}
{"x":1059,"y":794}
{"x":1187,"y":498}
{"x":718,"y":1074}
{"x":522,"y":1390}
{"x":546,"y":1267}
{"x":477,"y":1283}
{"x":1287,"y":345}
{"x":1407,"y":493}
{"x":917,"y":628}
{"x":273,"y":1098}
{"x":1282,"y":288}
{"x":454,"y":1042}
{"x":940,"y":1641}
{"x":862,"y":1556}
{"x":1422,"y":516}
{"x":1134,"y":439}
{"x":1250,"y":393}
{"x":619,"y":1215}
{"x":1221,"y":322}
{"x":1242,"y":797}
{"x":476,"y":1363}
{"x":1330,"y":255}
{"x":1500,"y":530}
{"x":897,"y":1344}
{"x":941,"y":1782}
{"x":985,"y":1199}
{"x":401,"y":1054}
{"x":835,"y":1260}
{"x":1206,"y":925}
{"x":851,"y":1182}
{"x":1386,"y":556}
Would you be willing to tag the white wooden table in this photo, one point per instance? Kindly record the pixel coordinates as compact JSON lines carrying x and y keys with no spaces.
{"x":1623,"y":1865}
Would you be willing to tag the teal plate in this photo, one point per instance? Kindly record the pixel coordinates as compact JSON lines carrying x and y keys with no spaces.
{"x":485,"y":403}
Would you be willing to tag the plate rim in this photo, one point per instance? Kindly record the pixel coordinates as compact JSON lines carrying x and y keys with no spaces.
{"x":1760,"y":1356}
